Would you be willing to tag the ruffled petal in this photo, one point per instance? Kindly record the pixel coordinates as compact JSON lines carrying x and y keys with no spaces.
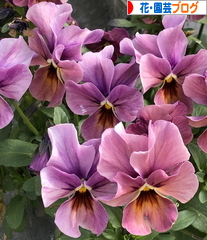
{"x":179,"y":182}
{"x":114,"y":156}
{"x":172,"y":43}
{"x":148,"y":211}
{"x":84,"y":211}
{"x":67,"y":155}
{"x":170,"y":21}
{"x":172,"y":149}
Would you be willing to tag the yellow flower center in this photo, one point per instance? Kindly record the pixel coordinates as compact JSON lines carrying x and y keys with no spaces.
{"x":82,"y":189}
{"x":170,"y":78}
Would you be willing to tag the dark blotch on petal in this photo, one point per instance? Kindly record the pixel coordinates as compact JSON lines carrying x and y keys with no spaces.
{"x":106,"y":118}
{"x":170,"y":92}
{"x":82,"y":199}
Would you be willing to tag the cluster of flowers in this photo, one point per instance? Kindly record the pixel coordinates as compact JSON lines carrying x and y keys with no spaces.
{"x":145,"y":166}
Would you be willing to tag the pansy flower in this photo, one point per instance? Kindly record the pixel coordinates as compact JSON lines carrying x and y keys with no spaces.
{"x":15,"y":76}
{"x":175,"y":113}
{"x":57,"y":50}
{"x":163,"y":64}
{"x":107,"y":94}
{"x":72,"y":173}
{"x":148,"y":170}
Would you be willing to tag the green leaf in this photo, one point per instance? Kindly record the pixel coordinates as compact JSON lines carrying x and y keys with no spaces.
{"x":60,"y":116}
{"x":121,"y":23}
{"x":115,"y":216}
{"x":201,"y":211}
{"x":185,"y":218}
{"x":109,"y":234}
{"x":7,"y":230}
{"x":15,"y":211}
{"x":16,"y":153}
{"x":199,"y":110}
{"x":7,"y":183}
{"x":202,"y":196}
{"x":4,"y":132}
{"x":199,"y":156}
{"x":47,"y":111}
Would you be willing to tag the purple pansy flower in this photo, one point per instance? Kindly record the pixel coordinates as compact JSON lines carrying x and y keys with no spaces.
{"x":175,"y":113}
{"x":112,"y":37}
{"x":15,"y":76}
{"x":107,"y":94}
{"x":148,"y":170}
{"x":72,"y":172}
{"x":57,"y":50}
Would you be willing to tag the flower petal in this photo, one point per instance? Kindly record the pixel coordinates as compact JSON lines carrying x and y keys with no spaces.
{"x":148,"y":211}
{"x":83,"y":211}
{"x":125,"y":74}
{"x":114,"y":156}
{"x":195,"y":87}
{"x":195,"y":63}
{"x":67,"y":155}
{"x":98,"y":70}
{"x":170,"y":21}
{"x":153,"y":71}
{"x":126,"y":101}
{"x":15,"y":81}
{"x":102,"y":188}
{"x":146,"y":43}
{"x":46,"y":86}
{"x":6,"y":113}
{"x":12,"y":55}
{"x":49,"y":18}
{"x":172,"y":43}
{"x":181,"y":185}
{"x":83,"y":99}
{"x":98,"y":122}
{"x":172,"y":149}
{"x":202,"y":141}
{"x":57,"y":184}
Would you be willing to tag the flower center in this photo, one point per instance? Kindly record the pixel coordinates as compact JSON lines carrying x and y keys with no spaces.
{"x":170,"y":78}
{"x":106,"y":104}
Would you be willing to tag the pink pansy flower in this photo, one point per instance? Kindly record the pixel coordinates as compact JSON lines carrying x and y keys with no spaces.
{"x":147,"y":171}
{"x":107,"y":95}
{"x":175,"y":113}
{"x":72,"y":172}
{"x":163,"y":63}
{"x":57,"y":50}
{"x":15,"y":76}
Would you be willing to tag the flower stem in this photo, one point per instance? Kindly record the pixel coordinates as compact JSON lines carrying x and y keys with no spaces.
{"x":24,"y":117}
{"x":198,"y":37}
